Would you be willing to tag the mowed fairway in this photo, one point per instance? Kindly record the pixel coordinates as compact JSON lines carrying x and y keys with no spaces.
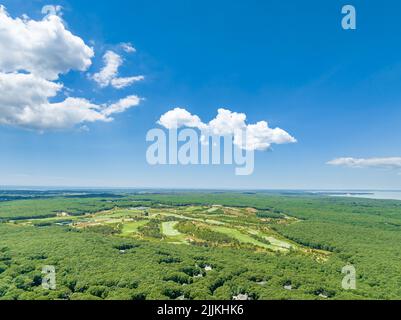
{"x":172,"y":235}
{"x":245,"y":238}
{"x":168,"y":229}
{"x":279,"y":243}
{"x":130,"y":228}
{"x":241,"y":237}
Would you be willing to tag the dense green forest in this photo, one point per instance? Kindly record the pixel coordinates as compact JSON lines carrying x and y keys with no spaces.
{"x":198,"y":246}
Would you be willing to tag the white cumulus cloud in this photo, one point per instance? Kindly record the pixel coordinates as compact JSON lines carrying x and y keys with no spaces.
{"x":227,"y":122}
{"x":381,"y":163}
{"x":260,"y":137}
{"x":178,"y":118}
{"x":257,"y":136}
{"x":108,"y":75}
{"x":24,"y":102}
{"x":44,"y":48}
{"x":33,"y":55}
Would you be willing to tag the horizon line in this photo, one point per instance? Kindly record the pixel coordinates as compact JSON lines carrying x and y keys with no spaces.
{"x":86,"y":188}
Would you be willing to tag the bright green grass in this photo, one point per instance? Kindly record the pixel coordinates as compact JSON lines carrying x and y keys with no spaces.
{"x":173,"y":235}
{"x":120,"y":213}
{"x":273,"y":241}
{"x":168,"y":229}
{"x":279,"y":243}
{"x":181,"y":216}
{"x":242,"y":237}
{"x":132,"y":227}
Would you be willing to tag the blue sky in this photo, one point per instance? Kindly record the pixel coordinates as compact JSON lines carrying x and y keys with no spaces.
{"x":338,"y":92}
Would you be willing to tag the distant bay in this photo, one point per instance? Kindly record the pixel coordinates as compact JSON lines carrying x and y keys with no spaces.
{"x":368,"y":194}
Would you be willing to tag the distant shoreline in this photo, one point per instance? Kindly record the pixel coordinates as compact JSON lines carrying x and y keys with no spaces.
{"x":377,"y":195}
{"x":70,"y":191}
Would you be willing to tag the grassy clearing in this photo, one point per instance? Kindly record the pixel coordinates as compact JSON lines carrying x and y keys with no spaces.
{"x":199,"y":214}
{"x":273,"y":240}
{"x":169,"y":230}
{"x":242,"y":237}
{"x":234,"y":227}
{"x":279,"y":243}
{"x":132,"y":227}
{"x":182,"y":216}
{"x":172,"y":234}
